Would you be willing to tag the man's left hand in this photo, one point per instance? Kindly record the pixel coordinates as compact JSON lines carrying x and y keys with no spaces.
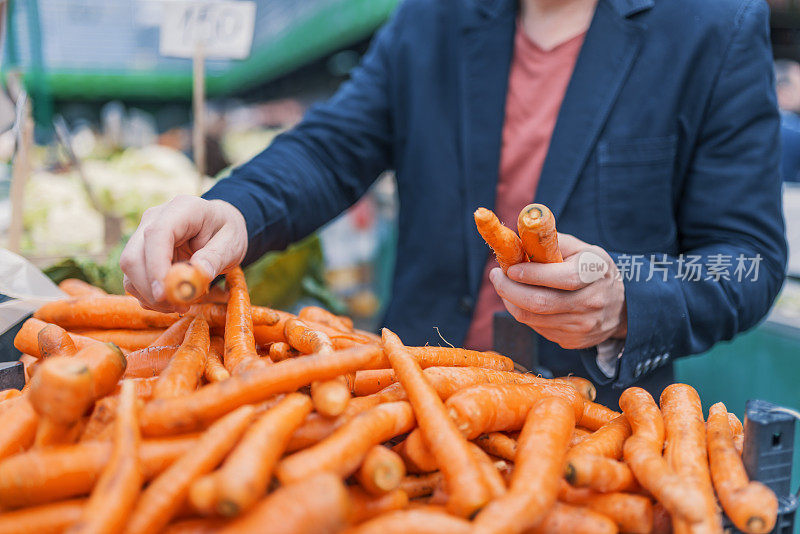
{"x":578,"y":303}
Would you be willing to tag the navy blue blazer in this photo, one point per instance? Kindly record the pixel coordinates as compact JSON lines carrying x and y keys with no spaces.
{"x":667,"y":142}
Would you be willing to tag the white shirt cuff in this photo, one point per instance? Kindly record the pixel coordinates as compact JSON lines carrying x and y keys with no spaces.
{"x":608,"y":352}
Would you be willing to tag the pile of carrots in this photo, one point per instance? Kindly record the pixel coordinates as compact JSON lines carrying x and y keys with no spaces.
{"x":238,"y":418}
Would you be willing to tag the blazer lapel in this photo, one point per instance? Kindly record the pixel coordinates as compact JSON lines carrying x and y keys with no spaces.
{"x":487,"y":48}
{"x":609,"y":50}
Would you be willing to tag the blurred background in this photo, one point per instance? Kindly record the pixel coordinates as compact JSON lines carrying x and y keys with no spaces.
{"x":103,"y":114}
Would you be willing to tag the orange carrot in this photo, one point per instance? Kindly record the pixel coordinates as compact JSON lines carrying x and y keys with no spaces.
{"x":498,"y":444}
{"x":537,"y":229}
{"x":330,"y":397}
{"x":305,"y":339}
{"x":191,"y":412}
{"x":468,"y":492}
{"x":319,"y":504}
{"x":751,"y":505}
{"x":55,"y":341}
{"x":448,"y":356}
{"x":418,"y":521}
{"x":642,"y":452}
{"x":372,"y":381}
{"x":316,"y":314}
{"x":185,"y":284}
{"x":9,"y":394}
{"x":184,"y":370}
{"x":685,"y":450}
{"x":148,"y":362}
{"x":592,"y":463}
{"x":44,"y":519}
{"x":206,"y":525}
{"x":381,"y":471}
{"x":174,"y":334}
{"x":596,"y":415}
{"x":492,"y":407}
{"x":280,"y":350}
{"x":492,"y":477}
{"x":578,"y":435}
{"x":415,"y":453}
{"x":239,"y":342}
{"x":19,"y":428}
{"x":365,"y":506}
{"x":164,"y":496}
{"x":575,"y":520}
{"x":504,"y":241}
{"x":632,"y":513}
{"x":130,"y":339}
{"x":584,"y":386}
{"x":244,"y":476}
{"x":27,"y":339}
{"x":118,"y":487}
{"x":142,"y":386}
{"x":214,"y":370}
{"x":737,"y":431}
{"x":78,"y":288}
{"x":346,"y":448}
{"x":41,"y":476}
{"x":103,"y":312}
{"x":29,"y":366}
{"x":421,"y":485}
{"x":539,"y":462}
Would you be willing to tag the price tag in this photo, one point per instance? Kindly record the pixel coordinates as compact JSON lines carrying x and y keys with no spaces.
{"x":224,"y":29}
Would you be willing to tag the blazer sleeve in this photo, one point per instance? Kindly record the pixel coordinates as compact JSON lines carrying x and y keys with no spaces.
{"x":729,"y":217}
{"x":313,"y":172}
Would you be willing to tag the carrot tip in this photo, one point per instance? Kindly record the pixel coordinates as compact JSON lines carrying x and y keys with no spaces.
{"x":533,"y":214}
{"x":569,"y":473}
{"x":756,"y":524}
{"x":228,"y":508}
{"x":186,"y":291}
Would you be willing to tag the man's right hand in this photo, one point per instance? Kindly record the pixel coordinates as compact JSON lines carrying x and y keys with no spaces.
{"x":210,"y":234}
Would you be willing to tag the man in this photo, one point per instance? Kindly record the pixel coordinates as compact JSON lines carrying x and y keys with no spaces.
{"x":649,"y":127}
{"x":787,"y":87}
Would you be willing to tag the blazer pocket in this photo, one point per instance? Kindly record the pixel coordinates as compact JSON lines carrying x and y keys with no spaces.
{"x":635,"y":193}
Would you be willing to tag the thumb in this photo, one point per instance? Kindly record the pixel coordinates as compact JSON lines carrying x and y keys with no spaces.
{"x":570,"y":245}
{"x":216,"y":256}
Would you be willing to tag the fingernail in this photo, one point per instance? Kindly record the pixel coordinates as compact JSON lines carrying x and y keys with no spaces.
{"x":158,"y":289}
{"x":493,"y":274}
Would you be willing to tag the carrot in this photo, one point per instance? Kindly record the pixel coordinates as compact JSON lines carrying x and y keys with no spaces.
{"x":184,"y":370}
{"x":318,"y":504}
{"x":737,"y":431}
{"x":319,"y":315}
{"x":239,"y":342}
{"x":44,"y":519}
{"x":592,"y":463}
{"x":185,"y":284}
{"x":492,"y":477}
{"x":207,"y":525}
{"x":448,"y":356}
{"x":215,"y":315}
{"x":244,"y":476}
{"x":498,"y":444}
{"x":584,"y":386}
{"x":381,"y":471}
{"x":280,"y":350}
{"x":29,"y":366}
{"x":345,"y":449}
{"x":492,"y":407}
{"x":504,"y":241}
{"x":19,"y":428}
{"x":148,"y":362}
{"x":537,"y":229}
{"x":373,"y":380}
{"x":575,"y":520}
{"x":41,"y":476}
{"x":55,"y":341}
{"x":578,"y":435}
{"x":214,"y":370}
{"x":50,"y":433}
{"x":539,"y":462}
{"x":365,"y":506}
{"x":27,"y":339}
{"x":751,"y":505}
{"x":686,"y":451}
{"x":607,"y":441}
{"x":103,"y":312}
{"x":164,"y":496}
{"x":330,"y":397}
{"x":115,"y":493}
{"x":415,"y":453}
{"x":78,"y":288}
{"x":305,"y":339}
{"x":142,"y":386}
{"x":642,"y":452}
{"x":632,"y":513}
{"x":451,"y":451}
{"x":420,"y":485}
{"x":191,"y":412}
{"x":174,"y":334}
{"x":662,"y":522}
{"x":596,"y":415}
{"x":418,"y":521}
{"x":9,"y":394}
{"x":130,"y":339}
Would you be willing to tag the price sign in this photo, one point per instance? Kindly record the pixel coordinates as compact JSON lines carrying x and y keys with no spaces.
{"x":222,"y":29}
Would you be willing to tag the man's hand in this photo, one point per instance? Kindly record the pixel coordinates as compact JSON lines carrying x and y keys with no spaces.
{"x":577,"y":304}
{"x":210,"y":234}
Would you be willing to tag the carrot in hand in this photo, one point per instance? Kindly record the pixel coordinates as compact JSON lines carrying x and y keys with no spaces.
{"x":537,"y":229}
{"x":468,"y":491}
{"x":246,"y":472}
{"x":538,"y":468}
{"x":117,"y":489}
{"x":381,"y":471}
{"x":103,"y":312}
{"x":185,"y":284}
{"x":78,"y":288}
{"x":184,"y":370}
{"x":751,"y":505}
{"x":505,"y":243}
{"x":164,"y":496}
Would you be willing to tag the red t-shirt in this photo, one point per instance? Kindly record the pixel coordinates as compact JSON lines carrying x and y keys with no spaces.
{"x":536,"y":86}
